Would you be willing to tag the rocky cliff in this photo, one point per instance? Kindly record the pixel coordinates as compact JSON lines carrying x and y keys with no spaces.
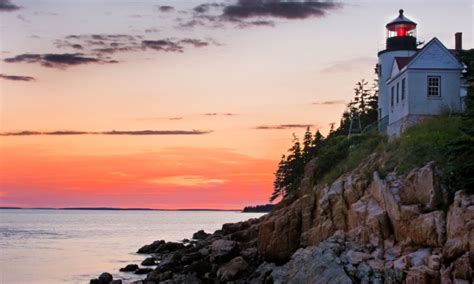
{"x":361,"y":228}
{"x":393,"y":230}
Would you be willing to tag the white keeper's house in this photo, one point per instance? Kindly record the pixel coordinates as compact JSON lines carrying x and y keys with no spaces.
{"x":416,"y":83}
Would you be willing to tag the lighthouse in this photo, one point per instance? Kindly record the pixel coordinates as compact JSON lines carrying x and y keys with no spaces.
{"x":416,"y":84}
{"x":401,"y":42}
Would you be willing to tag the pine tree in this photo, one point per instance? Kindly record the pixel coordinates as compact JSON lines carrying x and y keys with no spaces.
{"x":316,"y":144}
{"x":278,"y":184}
{"x":307,"y":144}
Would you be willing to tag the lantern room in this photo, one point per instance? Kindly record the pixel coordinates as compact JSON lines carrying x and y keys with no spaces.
{"x":401,"y":33}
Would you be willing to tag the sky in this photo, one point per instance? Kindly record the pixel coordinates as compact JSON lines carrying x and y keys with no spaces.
{"x":180,"y":104}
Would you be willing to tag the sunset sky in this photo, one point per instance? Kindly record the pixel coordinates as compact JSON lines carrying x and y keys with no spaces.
{"x":180,"y":104}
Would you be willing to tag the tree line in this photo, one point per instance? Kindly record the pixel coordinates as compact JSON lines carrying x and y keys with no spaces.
{"x":329,"y":150}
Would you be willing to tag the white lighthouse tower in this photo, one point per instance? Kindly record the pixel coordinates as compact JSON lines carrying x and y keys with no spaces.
{"x":401,"y":42}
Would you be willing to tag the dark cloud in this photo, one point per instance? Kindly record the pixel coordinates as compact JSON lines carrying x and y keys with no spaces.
{"x":28,"y":58}
{"x":262,"y":23}
{"x":335,"y":102}
{"x":194,"y":42}
{"x":60,"y":61}
{"x":8,"y":6}
{"x":113,"y":132}
{"x":111,"y":50}
{"x":244,"y":9}
{"x":98,"y":48}
{"x":220,"y":114}
{"x":206,"y":7}
{"x":113,"y":43}
{"x":165,"y":8}
{"x":66,"y":132}
{"x":282,"y":126}
{"x":17,"y":78}
{"x":248,"y":13}
{"x":98,"y":40}
{"x":163,"y":45}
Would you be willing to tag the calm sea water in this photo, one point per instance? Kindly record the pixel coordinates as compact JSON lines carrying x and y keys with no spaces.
{"x":62,"y":246}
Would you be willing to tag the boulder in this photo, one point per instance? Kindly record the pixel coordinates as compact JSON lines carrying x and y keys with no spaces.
{"x":377,"y":265}
{"x":146,"y":249}
{"x":462,"y":268}
{"x":419,"y":257}
{"x":280,"y":236}
{"x":232,"y":269}
{"x":422,"y":187}
{"x":368,"y":222}
{"x":200,"y":267}
{"x":263,"y":273}
{"x":200,"y":235}
{"x":190,"y":257}
{"x":170,"y":261}
{"x":425,"y":230}
{"x":223,"y":250}
{"x":460,"y":226}
{"x":105,"y":278}
{"x":149,"y":261}
{"x":312,"y":265}
{"x":246,"y":235}
{"x":353,"y":190}
{"x":422,"y":275}
{"x":158,"y":277}
{"x":141,"y":271}
{"x":169,"y":247}
{"x":355,"y":257}
{"x":160,"y":247}
{"x":129,"y":268}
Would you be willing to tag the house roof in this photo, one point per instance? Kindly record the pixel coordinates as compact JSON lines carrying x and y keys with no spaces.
{"x":415,"y":62}
{"x":403,"y":61}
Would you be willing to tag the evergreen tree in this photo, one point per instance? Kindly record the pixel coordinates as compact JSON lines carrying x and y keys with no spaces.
{"x":278,"y":184}
{"x":307,"y":145}
{"x":364,"y":106}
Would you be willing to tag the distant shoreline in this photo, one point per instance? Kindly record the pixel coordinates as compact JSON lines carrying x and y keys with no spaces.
{"x":116,"y":209}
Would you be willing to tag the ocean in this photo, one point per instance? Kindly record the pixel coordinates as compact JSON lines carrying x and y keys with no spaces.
{"x":73,"y":246}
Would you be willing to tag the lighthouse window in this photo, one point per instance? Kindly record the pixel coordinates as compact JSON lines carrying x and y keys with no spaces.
{"x":434,"y":86}
{"x":404,"y":87}
{"x":398,"y":92}
{"x":392,"y":96}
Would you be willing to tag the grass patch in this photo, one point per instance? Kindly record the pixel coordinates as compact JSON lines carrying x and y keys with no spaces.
{"x":427,"y":141}
{"x":345,"y":154}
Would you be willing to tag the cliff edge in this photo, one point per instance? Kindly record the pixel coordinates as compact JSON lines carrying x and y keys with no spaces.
{"x":361,"y":228}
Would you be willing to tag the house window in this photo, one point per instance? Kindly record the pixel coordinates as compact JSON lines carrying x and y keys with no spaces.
{"x":434,"y":86}
{"x":404,"y":88}
{"x":392,"y":96}
{"x":398,"y":92}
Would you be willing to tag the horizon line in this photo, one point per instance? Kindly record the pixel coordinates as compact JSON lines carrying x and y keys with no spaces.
{"x":115,"y":208}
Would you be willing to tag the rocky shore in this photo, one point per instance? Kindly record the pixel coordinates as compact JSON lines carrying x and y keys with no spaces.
{"x":362,"y":228}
